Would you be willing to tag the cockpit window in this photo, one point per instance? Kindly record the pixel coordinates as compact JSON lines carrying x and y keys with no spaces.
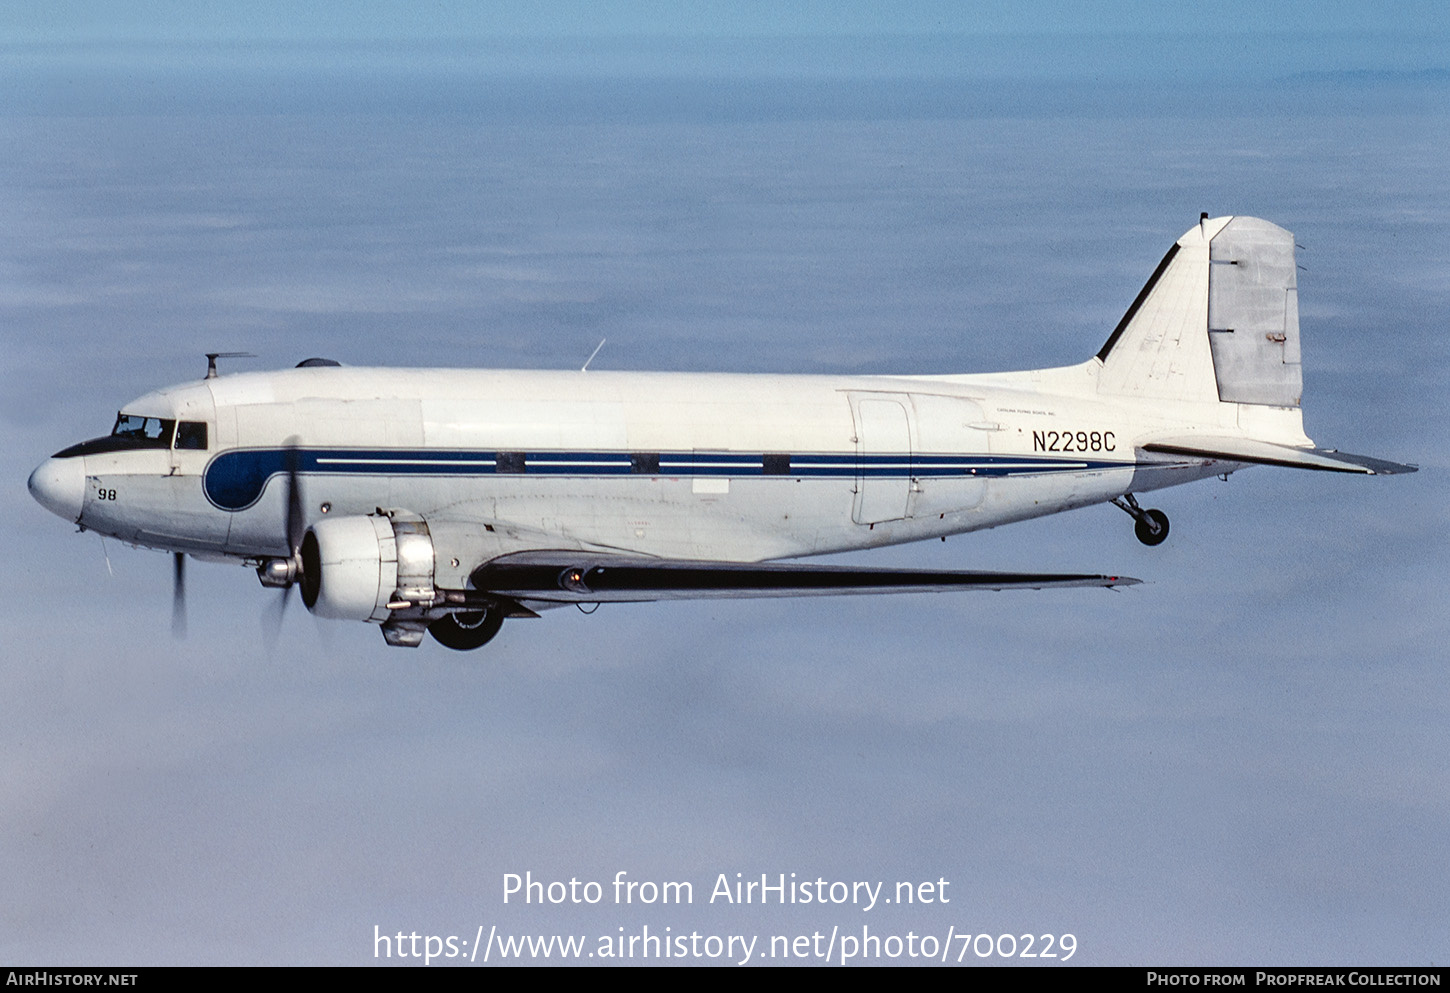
{"x":134,"y":431}
{"x":144,"y":432}
{"x":191,"y":434}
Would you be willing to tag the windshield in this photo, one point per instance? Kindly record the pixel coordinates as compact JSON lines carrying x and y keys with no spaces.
{"x":134,"y":431}
{"x":144,"y":432}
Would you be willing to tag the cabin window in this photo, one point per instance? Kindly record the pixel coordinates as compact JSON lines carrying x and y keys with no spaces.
{"x":776,"y":464}
{"x":191,"y":435}
{"x":508,"y":462}
{"x":645,"y":463}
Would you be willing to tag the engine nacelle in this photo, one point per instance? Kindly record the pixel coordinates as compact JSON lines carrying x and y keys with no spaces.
{"x":354,"y":567}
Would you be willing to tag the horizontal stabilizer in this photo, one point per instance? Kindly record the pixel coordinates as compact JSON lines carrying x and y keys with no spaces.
{"x":586,"y":577}
{"x":1267,"y":453}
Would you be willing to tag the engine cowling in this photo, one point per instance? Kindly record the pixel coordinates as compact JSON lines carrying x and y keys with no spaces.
{"x":354,"y":567}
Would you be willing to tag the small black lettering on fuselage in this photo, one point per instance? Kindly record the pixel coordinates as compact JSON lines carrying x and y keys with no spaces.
{"x":1073,"y":441}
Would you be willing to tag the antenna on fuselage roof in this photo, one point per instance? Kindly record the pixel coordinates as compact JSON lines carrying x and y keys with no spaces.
{"x":585,"y":366}
{"x":211,"y":358}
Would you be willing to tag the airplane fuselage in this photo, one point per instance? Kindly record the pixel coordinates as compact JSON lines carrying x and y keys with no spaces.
{"x":700,"y":466}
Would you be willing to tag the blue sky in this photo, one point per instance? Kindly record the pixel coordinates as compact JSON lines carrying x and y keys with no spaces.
{"x":1120,"y":40}
{"x":175,"y":20}
{"x":1243,"y":759}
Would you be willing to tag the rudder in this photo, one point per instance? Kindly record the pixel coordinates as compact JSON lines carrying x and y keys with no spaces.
{"x":1253,"y":314}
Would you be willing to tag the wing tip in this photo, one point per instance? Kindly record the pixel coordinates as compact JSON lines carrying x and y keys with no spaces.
{"x":1395,"y":469}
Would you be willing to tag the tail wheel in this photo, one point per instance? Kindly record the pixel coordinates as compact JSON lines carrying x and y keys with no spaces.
{"x":1152,"y":527}
{"x":466,"y":630}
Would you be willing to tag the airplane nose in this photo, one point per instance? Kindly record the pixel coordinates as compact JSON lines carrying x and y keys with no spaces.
{"x":59,"y":485}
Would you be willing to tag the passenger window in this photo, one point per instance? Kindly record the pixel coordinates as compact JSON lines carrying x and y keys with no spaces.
{"x":191,"y":435}
{"x":774,"y":464}
{"x":508,"y":462}
{"x":647,"y":463}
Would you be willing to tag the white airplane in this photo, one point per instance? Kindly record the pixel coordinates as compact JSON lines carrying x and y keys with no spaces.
{"x":446,"y":500}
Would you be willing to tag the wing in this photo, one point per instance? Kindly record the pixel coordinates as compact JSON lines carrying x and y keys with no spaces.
{"x":592,"y":577}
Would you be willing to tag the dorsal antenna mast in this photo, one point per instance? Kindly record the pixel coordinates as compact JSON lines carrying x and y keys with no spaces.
{"x":585,"y":366}
{"x":211,"y":358}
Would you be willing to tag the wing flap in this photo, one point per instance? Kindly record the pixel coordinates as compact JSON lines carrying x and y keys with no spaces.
{"x":585,"y":577}
{"x":1266,"y":453}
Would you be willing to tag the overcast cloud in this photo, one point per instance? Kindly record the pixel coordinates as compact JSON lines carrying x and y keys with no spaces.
{"x":1242,"y":760}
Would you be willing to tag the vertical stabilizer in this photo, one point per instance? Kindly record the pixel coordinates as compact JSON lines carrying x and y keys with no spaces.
{"x":1218,"y":320}
{"x":1159,"y":350}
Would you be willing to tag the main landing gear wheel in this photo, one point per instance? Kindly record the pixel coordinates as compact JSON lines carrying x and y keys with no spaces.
{"x":465,"y":630}
{"x":1151,"y":526}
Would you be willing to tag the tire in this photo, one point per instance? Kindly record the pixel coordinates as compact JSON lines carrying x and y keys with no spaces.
{"x":466,"y":630}
{"x":1152,"y":527}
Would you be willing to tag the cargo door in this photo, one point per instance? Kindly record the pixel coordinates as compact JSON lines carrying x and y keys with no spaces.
{"x":883,"y":458}
{"x":947,"y":455}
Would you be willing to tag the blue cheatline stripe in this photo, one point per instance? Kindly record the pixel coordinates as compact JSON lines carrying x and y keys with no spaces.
{"x":234,"y":479}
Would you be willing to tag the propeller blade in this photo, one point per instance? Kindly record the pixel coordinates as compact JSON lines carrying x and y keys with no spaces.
{"x":272,"y":620}
{"x":296,"y":522}
{"x":296,"y":526}
{"x":178,"y":595}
